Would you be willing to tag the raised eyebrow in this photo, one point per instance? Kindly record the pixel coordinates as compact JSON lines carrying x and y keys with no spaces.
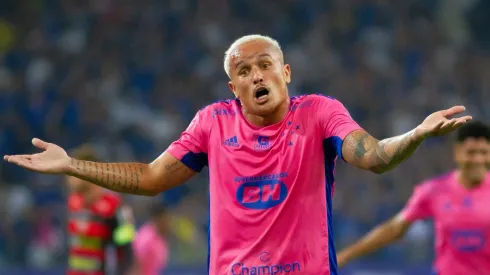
{"x":239,"y":63}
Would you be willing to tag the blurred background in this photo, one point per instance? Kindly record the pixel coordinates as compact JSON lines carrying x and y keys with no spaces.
{"x":129,"y":75}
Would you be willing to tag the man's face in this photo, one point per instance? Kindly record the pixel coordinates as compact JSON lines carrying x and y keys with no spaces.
{"x":473,"y":158}
{"x":259,"y":77}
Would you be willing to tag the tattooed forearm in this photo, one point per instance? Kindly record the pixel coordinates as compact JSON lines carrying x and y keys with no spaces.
{"x":125,"y":178}
{"x":366,"y":152}
{"x":134,"y":178}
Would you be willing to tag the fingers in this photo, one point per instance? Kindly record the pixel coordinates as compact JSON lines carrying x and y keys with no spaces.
{"x":453,"y":124}
{"x":466,"y":118}
{"x":7,"y":157}
{"x":448,"y":123}
{"x":453,"y":111}
{"x":439,"y":125}
{"x":462,"y":120}
{"x":20,"y":160}
{"x":43,"y":145}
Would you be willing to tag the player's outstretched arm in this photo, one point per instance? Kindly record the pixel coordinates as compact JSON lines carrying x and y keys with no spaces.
{"x":132,"y":178}
{"x":366,"y":152}
{"x":377,"y":238}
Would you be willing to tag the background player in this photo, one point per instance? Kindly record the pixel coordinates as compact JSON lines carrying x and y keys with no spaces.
{"x":150,"y":244}
{"x":271,"y":160}
{"x":459,"y":204}
{"x":97,"y":220}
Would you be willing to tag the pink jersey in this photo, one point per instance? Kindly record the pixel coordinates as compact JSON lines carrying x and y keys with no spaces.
{"x":462,"y":223}
{"x":270,"y":188}
{"x":150,"y":250}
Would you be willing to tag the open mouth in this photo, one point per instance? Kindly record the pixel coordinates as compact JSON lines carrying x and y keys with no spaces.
{"x":261,"y":94}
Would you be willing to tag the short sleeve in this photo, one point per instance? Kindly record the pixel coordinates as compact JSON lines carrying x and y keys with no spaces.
{"x":191,"y":147}
{"x":418,"y":206}
{"x":335,"y":121}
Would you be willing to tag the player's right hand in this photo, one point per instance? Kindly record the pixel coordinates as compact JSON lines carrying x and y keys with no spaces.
{"x":53,"y":159}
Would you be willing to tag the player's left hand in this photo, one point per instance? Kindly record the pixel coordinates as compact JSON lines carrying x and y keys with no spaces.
{"x":442,"y":122}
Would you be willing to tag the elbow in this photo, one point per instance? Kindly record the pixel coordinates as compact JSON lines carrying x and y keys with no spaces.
{"x":150,"y":193}
{"x":148,"y":188}
{"x":379,"y":170}
{"x":398,"y":232}
{"x":152,"y":189}
{"x":398,"y":236}
{"x":146,"y":192}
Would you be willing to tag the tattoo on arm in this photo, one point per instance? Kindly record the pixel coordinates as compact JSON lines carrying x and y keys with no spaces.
{"x":134,"y":178}
{"x":118,"y":177}
{"x":366,"y":152}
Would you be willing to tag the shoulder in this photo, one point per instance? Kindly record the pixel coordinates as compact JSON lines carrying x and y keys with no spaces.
{"x":319,"y":102}
{"x":227,"y":107}
{"x":314,"y":98}
{"x":434,"y":185}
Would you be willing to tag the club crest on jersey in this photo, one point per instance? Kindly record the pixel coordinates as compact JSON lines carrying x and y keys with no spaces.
{"x":468,"y":240}
{"x":262,"y":143}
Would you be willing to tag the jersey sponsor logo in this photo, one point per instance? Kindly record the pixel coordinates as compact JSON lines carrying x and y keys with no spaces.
{"x":263,"y":177}
{"x":232,"y":142}
{"x":304,"y":104}
{"x":263,"y":143}
{"x":262,"y":194}
{"x":223,"y":112}
{"x":265,"y":267}
{"x":468,"y":240}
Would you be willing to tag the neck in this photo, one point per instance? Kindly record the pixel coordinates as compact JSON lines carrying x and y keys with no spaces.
{"x":468,"y":183}
{"x":275,"y":117}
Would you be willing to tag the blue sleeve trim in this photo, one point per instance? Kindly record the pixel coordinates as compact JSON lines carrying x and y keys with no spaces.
{"x":195,"y":161}
{"x":337,"y":144}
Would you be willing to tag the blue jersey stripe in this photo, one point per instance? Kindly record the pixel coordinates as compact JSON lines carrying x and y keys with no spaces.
{"x":195,"y":161}
{"x":331,"y":150}
{"x":209,"y":236}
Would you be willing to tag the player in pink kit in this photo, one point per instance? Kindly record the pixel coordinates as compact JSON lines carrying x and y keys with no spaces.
{"x":459,"y":203}
{"x":150,"y":245}
{"x":271,"y":162}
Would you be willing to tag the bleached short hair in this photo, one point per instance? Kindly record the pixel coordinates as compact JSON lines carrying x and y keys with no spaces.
{"x":243,"y":40}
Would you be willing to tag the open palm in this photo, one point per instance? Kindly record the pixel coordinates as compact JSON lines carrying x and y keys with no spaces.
{"x":53,"y":159}
{"x":442,"y":122}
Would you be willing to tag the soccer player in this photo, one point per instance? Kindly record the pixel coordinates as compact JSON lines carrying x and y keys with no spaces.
{"x":150,"y":245}
{"x":458,"y":203}
{"x":97,"y":220}
{"x":271,"y":162}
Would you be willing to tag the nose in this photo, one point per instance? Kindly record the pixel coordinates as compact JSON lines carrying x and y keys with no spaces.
{"x":258,"y":76}
{"x":480,"y":159}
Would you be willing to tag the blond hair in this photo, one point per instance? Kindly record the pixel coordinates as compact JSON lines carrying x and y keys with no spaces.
{"x":244,"y":40}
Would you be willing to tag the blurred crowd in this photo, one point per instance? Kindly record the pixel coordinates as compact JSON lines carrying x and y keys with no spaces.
{"x":128,"y":76}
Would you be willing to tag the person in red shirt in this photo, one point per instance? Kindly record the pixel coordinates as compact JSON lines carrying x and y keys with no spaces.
{"x":97,"y":221}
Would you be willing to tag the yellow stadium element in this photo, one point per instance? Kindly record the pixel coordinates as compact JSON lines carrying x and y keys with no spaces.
{"x":7,"y":36}
{"x":184,"y":229}
{"x":86,"y":242}
{"x":124,"y":234}
{"x":84,"y":264}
